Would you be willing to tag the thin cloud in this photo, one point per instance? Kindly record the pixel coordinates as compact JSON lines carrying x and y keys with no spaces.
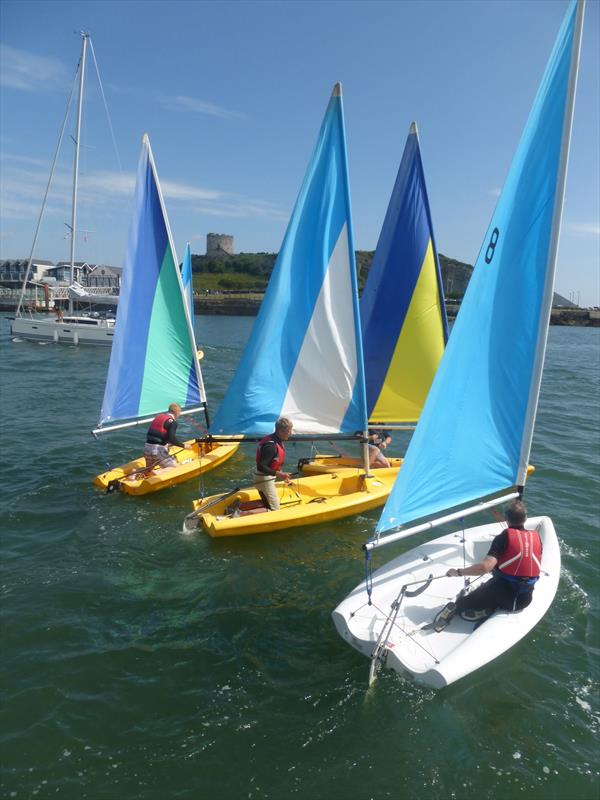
{"x":495,"y":192}
{"x":195,"y":106}
{"x":583,"y":228}
{"x":242,"y":208}
{"x":24,"y":180}
{"x":30,"y":72}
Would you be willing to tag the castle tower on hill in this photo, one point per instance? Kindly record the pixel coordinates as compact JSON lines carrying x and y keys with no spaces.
{"x":219,"y":245}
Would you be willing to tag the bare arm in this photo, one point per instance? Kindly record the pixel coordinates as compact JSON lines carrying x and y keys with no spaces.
{"x":481,"y":568}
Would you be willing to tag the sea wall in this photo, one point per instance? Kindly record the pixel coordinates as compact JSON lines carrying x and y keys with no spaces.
{"x":248,"y":306}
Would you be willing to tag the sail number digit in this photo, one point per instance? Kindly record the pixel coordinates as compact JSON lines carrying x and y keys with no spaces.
{"x":489,"y":253}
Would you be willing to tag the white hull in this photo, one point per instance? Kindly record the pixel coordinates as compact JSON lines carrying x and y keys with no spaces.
{"x":439,"y":659}
{"x":72,"y":330}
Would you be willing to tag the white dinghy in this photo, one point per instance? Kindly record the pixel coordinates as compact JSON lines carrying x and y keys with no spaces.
{"x":471,"y":446}
{"x":405,"y":639}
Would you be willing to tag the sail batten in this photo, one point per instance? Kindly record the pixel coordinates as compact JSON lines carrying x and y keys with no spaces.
{"x":304,"y":357}
{"x":153,"y":358}
{"x":474,"y":435}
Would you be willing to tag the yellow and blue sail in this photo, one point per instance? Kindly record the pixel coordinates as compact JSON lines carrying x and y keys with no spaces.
{"x":474,"y":436}
{"x":304,"y":357}
{"x":403,"y":315}
{"x":153,"y":358}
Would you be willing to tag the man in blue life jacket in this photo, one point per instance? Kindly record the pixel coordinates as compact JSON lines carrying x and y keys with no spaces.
{"x":515,"y":557}
{"x":161,"y":433}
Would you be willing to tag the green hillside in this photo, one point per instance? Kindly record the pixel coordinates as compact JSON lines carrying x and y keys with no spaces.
{"x":250,"y":272}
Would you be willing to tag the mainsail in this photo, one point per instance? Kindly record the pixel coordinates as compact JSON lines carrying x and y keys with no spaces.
{"x":403,"y":316}
{"x":153,"y":359}
{"x":186,"y":279}
{"x":474,"y":435}
{"x":304,"y":357}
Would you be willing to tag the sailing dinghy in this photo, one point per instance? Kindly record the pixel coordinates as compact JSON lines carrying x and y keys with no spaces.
{"x":471,"y":446}
{"x":402,"y":310}
{"x":154,"y":359}
{"x":304,"y":357}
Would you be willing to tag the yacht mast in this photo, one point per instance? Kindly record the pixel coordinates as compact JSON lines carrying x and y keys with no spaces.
{"x":85,"y":36}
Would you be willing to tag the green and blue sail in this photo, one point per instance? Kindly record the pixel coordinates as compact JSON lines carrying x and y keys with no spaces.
{"x":153,"y":359}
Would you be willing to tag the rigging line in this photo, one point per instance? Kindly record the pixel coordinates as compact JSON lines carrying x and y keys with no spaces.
{"x":112,"y":133}
{"x":464,"y":551}
{"x":43,"y":208}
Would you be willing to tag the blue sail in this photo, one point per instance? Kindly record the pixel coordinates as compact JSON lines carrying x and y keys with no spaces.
{"x":186,"y":279}
{"x":474,"y":435}
{"x":403,"y":315}
{"x":304,"y":357}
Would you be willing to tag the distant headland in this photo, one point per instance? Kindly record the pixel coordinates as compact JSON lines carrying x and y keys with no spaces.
{"x":227,"y":283}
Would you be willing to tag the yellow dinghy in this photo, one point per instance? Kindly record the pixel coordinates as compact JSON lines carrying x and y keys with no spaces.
{"x":324,"y":463}
{"x":134,"y":478}
{"x":308,"y":501}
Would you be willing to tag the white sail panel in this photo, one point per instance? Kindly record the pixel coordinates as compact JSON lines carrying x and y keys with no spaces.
{"x":326,"y":371}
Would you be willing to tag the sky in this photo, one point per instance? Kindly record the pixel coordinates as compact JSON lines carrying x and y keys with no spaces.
{"x":232,"y":95}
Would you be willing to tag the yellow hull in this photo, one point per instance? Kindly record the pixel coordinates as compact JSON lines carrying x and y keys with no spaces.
{"x":132,"y":478}
{"x":308,"y":501}
{"x":321,"y":464}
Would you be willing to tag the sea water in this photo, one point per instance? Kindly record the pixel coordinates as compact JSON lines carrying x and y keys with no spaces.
{"x":141,"y":663}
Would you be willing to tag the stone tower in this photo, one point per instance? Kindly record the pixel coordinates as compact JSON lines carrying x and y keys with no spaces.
{"x":219,"y":245}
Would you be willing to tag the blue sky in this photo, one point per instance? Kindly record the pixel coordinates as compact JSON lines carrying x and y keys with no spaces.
{"x":232,"y":95}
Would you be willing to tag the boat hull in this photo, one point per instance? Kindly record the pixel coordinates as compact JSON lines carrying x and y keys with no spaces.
{"x":308,"y":501}
{"x":439,"y":659}
{"x":202,"y":458}
{"x":322,"y":464}
{"x":96,"y":332}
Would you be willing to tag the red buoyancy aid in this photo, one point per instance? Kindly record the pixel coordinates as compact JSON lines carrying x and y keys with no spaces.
{"x":523,"y":555}
{"x":157,"y":429}
{"x":277,"y":463}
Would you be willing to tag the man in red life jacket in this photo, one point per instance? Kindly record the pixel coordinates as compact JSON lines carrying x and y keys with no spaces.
{"x":270,"y":455}
{"x":515,"y":557}
{"x":162,"y":433}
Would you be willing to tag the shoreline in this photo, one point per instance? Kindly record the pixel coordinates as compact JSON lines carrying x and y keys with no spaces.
{"x":241,"y":306}
{"x":248,"y":306}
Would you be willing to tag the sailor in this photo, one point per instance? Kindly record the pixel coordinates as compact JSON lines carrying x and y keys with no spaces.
{"x":378,"y":442}
{"x":270,"y":455}
{"x":514,"y":557}
{"x":162,"y":433}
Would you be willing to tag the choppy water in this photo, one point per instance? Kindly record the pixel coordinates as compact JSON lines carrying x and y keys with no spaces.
{"x":138,"y":663}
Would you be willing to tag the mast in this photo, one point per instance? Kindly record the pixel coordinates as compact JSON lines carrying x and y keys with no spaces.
{"x":85,"y":36}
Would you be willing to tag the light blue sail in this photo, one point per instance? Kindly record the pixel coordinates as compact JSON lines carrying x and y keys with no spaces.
{"x":186,"y":279}
{"x":304,"y":357}
{"x":474,"y":435}
{"x":153,"y":359}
